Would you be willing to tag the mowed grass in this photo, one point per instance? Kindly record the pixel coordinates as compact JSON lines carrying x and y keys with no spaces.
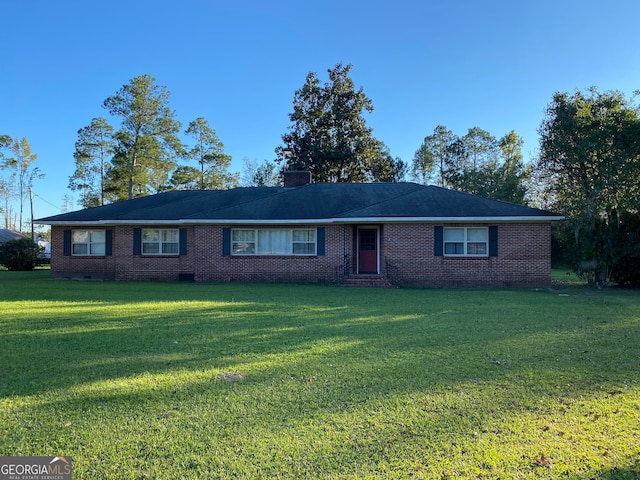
{"x":167,"y":381}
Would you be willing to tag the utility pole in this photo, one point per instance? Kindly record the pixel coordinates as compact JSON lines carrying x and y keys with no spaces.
{"x":33,"y":237}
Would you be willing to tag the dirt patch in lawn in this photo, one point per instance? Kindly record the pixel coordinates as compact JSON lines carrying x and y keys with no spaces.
{"x":230,"y":376}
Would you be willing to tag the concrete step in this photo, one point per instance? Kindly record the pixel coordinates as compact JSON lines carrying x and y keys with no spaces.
{"x":367,"y":280}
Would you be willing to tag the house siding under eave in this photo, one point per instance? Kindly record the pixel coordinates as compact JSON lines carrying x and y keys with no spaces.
{"x":407,"y":257}
{"x":406,"y":223}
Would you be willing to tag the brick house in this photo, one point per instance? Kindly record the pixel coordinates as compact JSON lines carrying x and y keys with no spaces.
{"x":402,"y":233}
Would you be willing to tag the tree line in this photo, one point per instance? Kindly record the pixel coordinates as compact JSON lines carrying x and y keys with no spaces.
{"x":145,"y":155}
{"x":588,"y":166}
{"x":589,"y":170}
{"x":17,"y":181}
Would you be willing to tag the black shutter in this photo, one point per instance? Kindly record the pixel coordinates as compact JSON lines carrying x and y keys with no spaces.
{"x":108,"y":243}
{"x":438,"y":241}
{"x":137,"y":241}
{"x":493,"y":241}
{"x":66,"y":243}
{"x":226,"y":242}
{"x":183,"y":241}
{"x":320,"y":241}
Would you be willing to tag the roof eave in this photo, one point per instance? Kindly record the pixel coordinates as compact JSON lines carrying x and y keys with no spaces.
{"x":291,"y":221}
{"x":469,"y":219}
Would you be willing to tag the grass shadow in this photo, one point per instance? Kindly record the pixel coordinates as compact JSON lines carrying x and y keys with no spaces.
{"x":380,"y":374}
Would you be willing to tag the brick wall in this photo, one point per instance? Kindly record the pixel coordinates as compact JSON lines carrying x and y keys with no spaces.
{"x":122,"y":264}
{"x":524,"y":257}
{"x":204,"y":260}
{"x":86,"y":268}
{"x":407,"y":256}
{"x":230,"y":268}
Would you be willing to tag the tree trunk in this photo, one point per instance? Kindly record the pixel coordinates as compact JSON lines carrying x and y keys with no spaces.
{"x":132,"y":176}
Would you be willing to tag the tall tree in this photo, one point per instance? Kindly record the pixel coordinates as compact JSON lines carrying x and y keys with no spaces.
{"x":329,"y":135}
{"x":265,"y":174}
{"x":7,"y":185}
{"x":8,"y":194}
{"x":590,"y":166}
{"x":94,"y":149}
{"x":385,"y":168}
{"x":208,"y":152}
{"x":514,"y":176}
{"x":475,"y":157}
{"x":21,"y":165}
{"x":476,"y":163}
{"x":147,"y":143}
{"x":492,"y":168}
{"x":479,"y":149}
{"x":433,"y":160}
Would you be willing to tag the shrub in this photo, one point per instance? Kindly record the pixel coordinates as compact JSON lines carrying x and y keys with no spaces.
{"x":626,"y":272}
{"x":20,"y":255}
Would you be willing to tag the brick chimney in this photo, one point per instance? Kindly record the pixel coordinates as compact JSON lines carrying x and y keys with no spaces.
{"x":296,"y":178}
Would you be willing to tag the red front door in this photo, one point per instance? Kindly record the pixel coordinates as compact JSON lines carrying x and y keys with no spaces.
{"x":367,"y":250}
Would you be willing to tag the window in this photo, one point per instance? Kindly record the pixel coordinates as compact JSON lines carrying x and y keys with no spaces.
{"x":471,"y":241}
{"x":160,"y":241}
{"x":273,"y":242}
{"x":88,"y":242}
{"x":243,"y":242}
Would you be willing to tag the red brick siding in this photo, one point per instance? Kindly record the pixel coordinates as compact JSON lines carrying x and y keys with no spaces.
{"x":406,"y":256}
{"x":79,"y":267}
{"x":319,"y":268}
{"x":524,"y":257}
{"x":122,"y":264}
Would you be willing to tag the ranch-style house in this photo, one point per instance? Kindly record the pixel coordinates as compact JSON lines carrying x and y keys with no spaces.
{"x":400,"y":233}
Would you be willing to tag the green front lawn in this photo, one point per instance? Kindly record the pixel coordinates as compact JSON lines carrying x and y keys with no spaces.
{"x":165,"y":380}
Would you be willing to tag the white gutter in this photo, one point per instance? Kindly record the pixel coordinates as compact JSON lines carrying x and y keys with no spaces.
{"x":306,"y":221}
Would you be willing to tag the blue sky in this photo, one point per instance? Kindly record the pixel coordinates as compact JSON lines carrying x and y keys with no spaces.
{"x":491,"y":64}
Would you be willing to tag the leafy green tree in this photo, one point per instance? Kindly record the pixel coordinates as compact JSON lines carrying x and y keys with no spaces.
{"x":21,"y":254}
{"x":514,"y":176}
{"x":151,"y":176}
{"x":147,"y":143}
{"x":329,"y":135}
{"x":433,"y":160}
{"x":589,"y":166}
{"x":94,"y":149}
{"x":385,"y":168}
{"x":5,"y":141}
{"x":475,"y":158}
{"x":476,"y":163}
{"x":185,"y":177}
{"x":479,"y":149}
{"x":493,"y":168}
{"x":208,"y":152}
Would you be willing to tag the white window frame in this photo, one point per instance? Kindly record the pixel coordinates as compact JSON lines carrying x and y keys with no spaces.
{"x":257,"y":242}
{"x":467,"y":243}
{"x":94,"y":247}
{"x":162,"y":243}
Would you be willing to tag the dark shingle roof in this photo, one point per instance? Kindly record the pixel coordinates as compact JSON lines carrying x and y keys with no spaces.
{"x":7,"y":235}
{"x":327,"y":202}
